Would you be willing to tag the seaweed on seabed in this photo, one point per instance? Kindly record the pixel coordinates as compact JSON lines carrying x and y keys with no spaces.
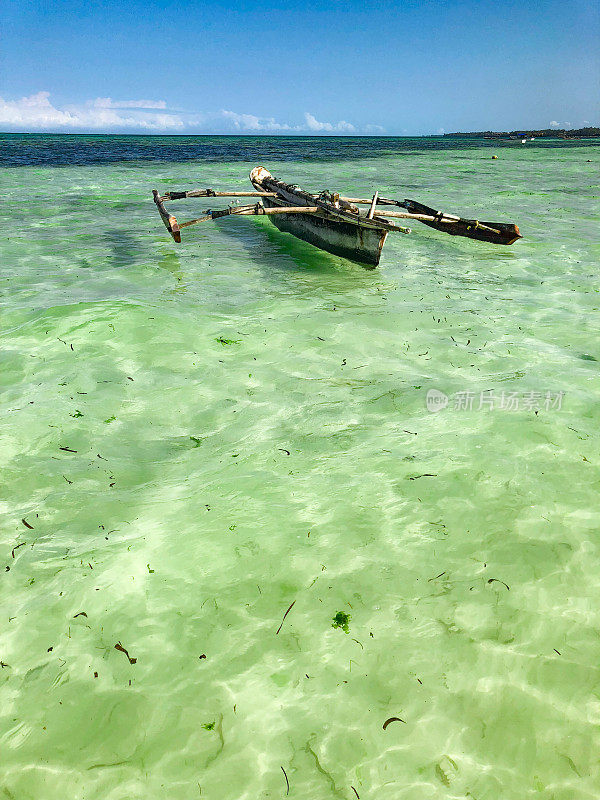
{"x":341,"y":620}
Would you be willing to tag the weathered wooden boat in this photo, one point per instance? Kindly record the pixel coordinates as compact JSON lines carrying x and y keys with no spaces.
{"x":332,"y":222}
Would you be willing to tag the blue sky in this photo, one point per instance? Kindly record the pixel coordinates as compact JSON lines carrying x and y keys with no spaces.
{"x":279,"y":66}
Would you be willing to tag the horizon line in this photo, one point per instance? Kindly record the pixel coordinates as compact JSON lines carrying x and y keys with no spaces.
{"x":293,"y":135}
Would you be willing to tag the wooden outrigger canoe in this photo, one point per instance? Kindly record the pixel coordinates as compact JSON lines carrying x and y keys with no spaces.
{"x":335,"y":227}
{"x":334,"y":223}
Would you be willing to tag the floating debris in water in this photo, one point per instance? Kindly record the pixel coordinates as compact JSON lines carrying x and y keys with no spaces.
{"x":287,"y":791}
{"x":120,"y":647}
{"x":443,"y":771}
{"x":496,"y":580}
{"x":16,"y":547}
{"x":390,"y":720}
{"x":436,"y":577}
{"x":284,"y":616}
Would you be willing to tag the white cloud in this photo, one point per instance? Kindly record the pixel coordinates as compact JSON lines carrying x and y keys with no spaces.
{"x":377,"y":129}
{"x":108,"y":102}
{"x":103,"y":114}
{"x":555,"y":124}
{"x":328,"y":127}
{"x":36,"y":112}
{"x":441,"y":131}
{"x":248,"y":122}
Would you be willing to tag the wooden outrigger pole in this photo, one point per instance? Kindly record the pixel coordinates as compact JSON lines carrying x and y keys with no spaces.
{"x":170,"y":222}
{"x":333,"y":222}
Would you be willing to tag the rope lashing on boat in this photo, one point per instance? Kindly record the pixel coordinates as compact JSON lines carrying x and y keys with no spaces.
{"x":439,"y":216}
{"x":471,"y":224}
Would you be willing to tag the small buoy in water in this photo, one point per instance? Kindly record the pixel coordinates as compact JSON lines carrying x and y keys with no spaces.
{"x":494,"y":156}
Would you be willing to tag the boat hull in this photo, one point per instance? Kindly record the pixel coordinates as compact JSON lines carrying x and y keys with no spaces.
{"x":353,"y":242}
{"x":332,"y":231}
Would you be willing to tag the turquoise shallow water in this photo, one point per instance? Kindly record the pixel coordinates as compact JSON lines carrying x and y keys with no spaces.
{"x":250,"y":430}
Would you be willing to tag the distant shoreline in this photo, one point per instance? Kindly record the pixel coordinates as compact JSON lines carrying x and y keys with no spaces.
{"x":548,"y":133}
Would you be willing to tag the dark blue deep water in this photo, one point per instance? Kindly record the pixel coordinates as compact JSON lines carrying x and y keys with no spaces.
{"x":80,"y":150}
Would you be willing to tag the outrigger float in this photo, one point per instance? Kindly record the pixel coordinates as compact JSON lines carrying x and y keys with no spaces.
{"x":332,"y":222}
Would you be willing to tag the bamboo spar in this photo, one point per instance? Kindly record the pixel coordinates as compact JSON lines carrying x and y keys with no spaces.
{"x":170,"y":222}
{"x":373,"y":204}
{"x":256,"y":210}
{"x":441,"y":218}
{"x":211,"y":193}
{"x":428,"y":218}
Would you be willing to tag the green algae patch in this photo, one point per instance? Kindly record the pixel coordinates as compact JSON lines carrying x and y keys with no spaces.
{"x":341,"y":620}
